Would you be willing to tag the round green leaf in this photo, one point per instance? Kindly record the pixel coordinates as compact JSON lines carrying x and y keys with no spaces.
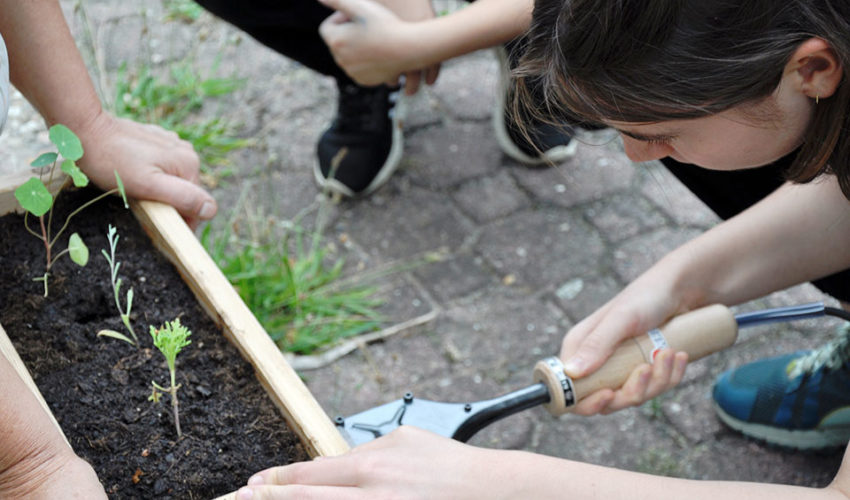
{"x":78,"y":250}
{"x":66,"y":142}
{"x":44,"y":160}
{"x":34,"y":197}
{"x":71,"y":168}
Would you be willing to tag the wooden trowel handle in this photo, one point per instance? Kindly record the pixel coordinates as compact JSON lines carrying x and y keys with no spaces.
{"x":699,"y":333}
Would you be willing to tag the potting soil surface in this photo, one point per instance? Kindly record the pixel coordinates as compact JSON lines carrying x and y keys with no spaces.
{"x":98,"y":387}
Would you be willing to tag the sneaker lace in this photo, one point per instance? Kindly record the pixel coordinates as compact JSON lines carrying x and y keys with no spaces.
{"x":830,"y":355}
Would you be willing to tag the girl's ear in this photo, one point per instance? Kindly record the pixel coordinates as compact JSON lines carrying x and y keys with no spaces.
{"x":817,"y":68}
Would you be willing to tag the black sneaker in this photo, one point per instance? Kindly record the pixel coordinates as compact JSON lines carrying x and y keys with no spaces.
{"x":545,"y":144}
{"x":368,"y":127}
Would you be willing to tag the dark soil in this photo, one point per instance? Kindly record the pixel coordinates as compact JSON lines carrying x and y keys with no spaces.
{"x":98,"y":388}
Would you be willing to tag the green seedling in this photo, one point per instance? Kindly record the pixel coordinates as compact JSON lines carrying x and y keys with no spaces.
{"x":170,"y":339}
{"x":113,"y":237}
{"x":37,"y":200}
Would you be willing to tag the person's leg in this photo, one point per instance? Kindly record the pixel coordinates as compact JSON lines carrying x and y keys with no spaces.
{"x":289,"y":27}
{"x":800,"y":400}
{"x":366,"y":125}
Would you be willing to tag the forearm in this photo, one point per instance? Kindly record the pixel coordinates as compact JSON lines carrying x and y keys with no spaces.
{"x":536,"y":476}
{"x":45,"y":64}
{"x":29,"y":442}
{"x":479,"y":25}
{"x":797,"y":234}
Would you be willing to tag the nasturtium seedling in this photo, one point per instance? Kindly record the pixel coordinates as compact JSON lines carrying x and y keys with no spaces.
{"x":80,"y":179}
{"x":37,"y":200}
{"x":77,"y":250}
{"x":44,"y":160}
{"x":66,"y":142}
{"x":34,"y":197}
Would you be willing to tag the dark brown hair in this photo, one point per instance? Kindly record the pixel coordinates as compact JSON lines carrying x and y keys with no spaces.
{"x":646,"y":61}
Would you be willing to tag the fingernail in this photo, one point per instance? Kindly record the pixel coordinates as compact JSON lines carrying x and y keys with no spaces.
{"x":207,"y":211}
{"x":574,"y":366}
{"x":245,"y":493}
{"x":256,"y":480}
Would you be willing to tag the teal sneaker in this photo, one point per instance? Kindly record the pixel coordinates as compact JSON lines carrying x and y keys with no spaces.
{"x":799,"y":400}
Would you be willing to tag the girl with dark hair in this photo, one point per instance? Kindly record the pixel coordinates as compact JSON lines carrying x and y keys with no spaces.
{"x":748,"y":102}
{"x":757,"y":90}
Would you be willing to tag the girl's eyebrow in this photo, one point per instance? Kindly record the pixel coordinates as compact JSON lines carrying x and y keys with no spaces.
{"x":647,"y":138}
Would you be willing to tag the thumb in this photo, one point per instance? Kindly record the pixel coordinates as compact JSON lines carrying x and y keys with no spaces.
{"x":190,"y":200}
{"x":598,"y":345}
{"x":351,"y":8}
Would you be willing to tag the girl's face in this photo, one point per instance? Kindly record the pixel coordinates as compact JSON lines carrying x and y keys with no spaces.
{"x":735,"y":139}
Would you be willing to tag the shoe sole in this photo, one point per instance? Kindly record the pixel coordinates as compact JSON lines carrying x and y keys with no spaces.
{"x":803,"y":440}
{"x":554,"y":155}
{"x":387,"y":169}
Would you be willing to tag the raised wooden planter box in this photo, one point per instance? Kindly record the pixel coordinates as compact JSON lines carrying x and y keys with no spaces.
{"x":214,"y":293}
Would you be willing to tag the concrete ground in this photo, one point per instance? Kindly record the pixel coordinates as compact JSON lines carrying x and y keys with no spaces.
{"x":523,"y":253}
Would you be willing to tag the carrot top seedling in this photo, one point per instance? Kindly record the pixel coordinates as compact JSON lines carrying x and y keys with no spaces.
{"x":170,"y":339}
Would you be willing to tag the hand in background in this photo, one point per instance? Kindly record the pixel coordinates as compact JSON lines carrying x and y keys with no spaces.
{"x":154,"y":164}
{"x":373,"y":41}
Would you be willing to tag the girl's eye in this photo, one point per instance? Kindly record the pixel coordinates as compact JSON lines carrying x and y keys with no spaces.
{"x":660,"y":141}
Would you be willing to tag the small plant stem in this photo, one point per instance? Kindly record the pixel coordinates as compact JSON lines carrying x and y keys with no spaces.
{"x":174,"y":404}
{"x":44,"y":238}
{"x":80,"y":209}
{"x":44,"y":279}
{"x":28,"y":228}
{"x":126,"y":319}
{"x":60,"y":254}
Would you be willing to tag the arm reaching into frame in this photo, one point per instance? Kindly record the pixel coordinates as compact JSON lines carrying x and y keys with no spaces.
{"x":374,"y":42}
{"x":47,"y":68}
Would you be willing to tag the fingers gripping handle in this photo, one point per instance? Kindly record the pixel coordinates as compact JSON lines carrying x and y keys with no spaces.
{"x":699,"y":333}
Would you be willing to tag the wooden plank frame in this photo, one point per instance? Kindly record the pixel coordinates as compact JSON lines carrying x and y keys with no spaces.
{"x":178,"y":243}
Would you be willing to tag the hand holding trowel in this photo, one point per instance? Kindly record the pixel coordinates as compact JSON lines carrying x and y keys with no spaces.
{"x":699,"y":333}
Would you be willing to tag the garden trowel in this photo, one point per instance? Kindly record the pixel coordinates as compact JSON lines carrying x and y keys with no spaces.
{"x":699,"y":333}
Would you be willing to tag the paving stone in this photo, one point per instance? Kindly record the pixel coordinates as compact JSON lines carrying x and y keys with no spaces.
{"x":466,"y":98}
{"x":582,"y":296}
{"x":542,"y":248}
{"x":490,"y":197}
{"x":623,"y":215}
{"x":454,"y":153}
{"x":403,"y":230}
{"x":502,"y":328}
{"x":455,"y":277}
{"x":24,"y":136}
{"x":636,"y":255}
{"x":591,"y":174}
{"x":421,"y":110}
{"x":690,"y":410}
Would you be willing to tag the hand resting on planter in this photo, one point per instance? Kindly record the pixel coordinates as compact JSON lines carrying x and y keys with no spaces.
{"x":45,"y":65}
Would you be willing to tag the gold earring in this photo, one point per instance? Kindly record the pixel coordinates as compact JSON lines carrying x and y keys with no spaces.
{"x":817,"y":99}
